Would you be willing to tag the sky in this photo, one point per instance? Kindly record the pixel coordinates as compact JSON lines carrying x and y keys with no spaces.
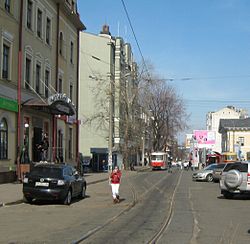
{"x":203,"y":47}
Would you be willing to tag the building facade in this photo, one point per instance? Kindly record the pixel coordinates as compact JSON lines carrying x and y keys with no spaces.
{"x":42,"y":77}
{"x":106,"y":69}
{"x":213,"y":122}
{"x":235,"y":134}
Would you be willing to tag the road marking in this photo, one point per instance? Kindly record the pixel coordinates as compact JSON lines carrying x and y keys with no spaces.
{"x":196,"y":228}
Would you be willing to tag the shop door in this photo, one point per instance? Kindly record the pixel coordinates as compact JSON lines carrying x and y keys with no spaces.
{"x":37,"y":139}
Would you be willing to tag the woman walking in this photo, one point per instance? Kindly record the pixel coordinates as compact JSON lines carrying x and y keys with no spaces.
{"x":115,"y":180}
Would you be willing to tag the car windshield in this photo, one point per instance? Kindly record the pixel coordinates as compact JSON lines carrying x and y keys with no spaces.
{"x":46,"y":172}
{"x":210,"y":167}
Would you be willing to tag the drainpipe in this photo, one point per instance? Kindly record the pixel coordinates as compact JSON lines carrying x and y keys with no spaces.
{"x":77,"y":102}
{"x":54,"y":124}
{"x":19,"y":87}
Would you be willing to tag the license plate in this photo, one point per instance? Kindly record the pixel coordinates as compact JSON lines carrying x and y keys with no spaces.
{"x":42,"y":184}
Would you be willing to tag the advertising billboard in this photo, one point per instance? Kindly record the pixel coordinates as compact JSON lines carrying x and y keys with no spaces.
{"x":204,"y":137}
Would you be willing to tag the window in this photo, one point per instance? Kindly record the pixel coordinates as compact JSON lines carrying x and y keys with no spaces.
{"x":27,"y":73}
{"x":70,"y":142}
{"x":29,"y":14}
{"x":39,"y":23}
{"x":46,"y":92}
{"x":71,"y":92}
{"x":7,"y":5}
{"x":48,"y":29}
{"x":71,"y":52}
{"x":60,"y":85}
{"x":6,"y":61}
{"x":73,"y":5}
{"x":61,"y":43}
{"x":241,"y":141}
{"x":38,"y":77}
{"x":3,"y":139}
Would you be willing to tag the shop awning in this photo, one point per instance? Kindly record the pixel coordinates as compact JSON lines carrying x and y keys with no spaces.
{"x":58,"y":104}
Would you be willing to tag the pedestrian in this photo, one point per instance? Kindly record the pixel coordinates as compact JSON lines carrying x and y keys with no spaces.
{"x":43,"y":148}
{"x":190,"y":165}
{"x":115,"y":180}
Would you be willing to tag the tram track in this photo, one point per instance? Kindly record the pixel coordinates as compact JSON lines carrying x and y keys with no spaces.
{"x":135,"y":199}
{"x":111,"y":220}
{"x":157,"y":236}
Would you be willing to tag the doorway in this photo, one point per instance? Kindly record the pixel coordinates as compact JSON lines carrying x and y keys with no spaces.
{"x":36,"y":141}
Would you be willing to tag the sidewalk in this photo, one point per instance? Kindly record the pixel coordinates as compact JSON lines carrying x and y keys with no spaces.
{"x":11,"y":193}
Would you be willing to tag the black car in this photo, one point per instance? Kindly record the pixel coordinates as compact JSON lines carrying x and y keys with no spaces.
{"x":49,"y":181}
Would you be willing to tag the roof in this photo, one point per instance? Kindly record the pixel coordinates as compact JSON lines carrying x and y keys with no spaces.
{"x":234,"y":124}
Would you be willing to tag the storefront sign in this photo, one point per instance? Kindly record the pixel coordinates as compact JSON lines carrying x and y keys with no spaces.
{"x":61,"y":104}
{"x":8,"y":104}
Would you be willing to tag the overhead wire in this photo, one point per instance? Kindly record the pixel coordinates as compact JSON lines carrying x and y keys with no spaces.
{"x":136,"y":40}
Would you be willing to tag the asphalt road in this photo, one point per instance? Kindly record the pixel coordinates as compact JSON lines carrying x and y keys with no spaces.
{"x":191,"y":212}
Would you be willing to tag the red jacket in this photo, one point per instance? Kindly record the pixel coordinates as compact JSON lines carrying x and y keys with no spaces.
{"x":115,"y":177}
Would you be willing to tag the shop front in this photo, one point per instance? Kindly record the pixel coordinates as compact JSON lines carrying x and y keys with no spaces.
{"x":8,"y":112}
{"x":48,"y":122}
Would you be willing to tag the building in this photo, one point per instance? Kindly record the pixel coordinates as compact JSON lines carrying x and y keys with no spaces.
{"x":235,"y":135}
{"x":213,"y":122}
{"x":106,"y":72}
{"x":39,"y":77}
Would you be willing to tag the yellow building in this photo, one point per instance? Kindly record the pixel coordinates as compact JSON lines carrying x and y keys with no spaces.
{"x":235,"y":135}
{"x":39,"y":80}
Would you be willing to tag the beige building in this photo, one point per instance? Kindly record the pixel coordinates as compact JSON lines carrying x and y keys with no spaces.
{"x":41,"y":79}
{"x":235,"y":134}
{"x":106,"y":69}
{"x":213,"y":122}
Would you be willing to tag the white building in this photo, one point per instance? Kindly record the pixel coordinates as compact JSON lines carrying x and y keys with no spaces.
{"x":106,"y":70}
{"x":213,"y":121}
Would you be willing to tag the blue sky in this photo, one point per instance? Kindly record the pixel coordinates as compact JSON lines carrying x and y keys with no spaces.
{"x":207,"y":41}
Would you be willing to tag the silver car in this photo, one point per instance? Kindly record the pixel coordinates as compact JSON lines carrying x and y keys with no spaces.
{"x":205,"y":174}
{"x":235,"y":179}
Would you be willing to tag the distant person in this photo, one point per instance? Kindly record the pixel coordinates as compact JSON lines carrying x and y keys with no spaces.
{"x":169,"y":166}
{"x":132,"y":167}
{"x":43,"y":149}
{"x":115,"y":180}
{"x":190,"y":165}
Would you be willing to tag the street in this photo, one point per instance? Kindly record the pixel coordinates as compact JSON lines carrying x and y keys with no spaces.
{"x":156,"y":206}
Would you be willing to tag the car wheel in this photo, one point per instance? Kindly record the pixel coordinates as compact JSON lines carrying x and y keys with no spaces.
{"x":228,"y":195}
{"x":233,"y":179}
{"x":209,"y":178}
{"x":68,"y":198}
{"x":27,"y":199}
{"x":83,"y":192}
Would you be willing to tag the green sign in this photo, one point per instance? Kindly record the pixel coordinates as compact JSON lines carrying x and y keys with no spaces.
{"x":7,"y":104}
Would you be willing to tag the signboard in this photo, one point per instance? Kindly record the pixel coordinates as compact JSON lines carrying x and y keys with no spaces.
{"x":8,"y":104}
{"x":189,"y":138}
{"x":204,"y":137}
{"x":61,"y":104}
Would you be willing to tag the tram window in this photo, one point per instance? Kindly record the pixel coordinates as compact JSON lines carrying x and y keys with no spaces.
{"x":157,"y":157}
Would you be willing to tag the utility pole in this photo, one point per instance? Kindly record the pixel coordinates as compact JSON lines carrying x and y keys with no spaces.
{"x":110,"y":144}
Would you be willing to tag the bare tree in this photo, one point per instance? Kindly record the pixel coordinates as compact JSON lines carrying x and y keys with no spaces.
{"x":167,"y":109}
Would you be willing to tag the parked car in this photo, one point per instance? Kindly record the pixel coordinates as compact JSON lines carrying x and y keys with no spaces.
{"x":218,"y":171}
{"x":235,"y":179}
{"x":205,"y":174}
{"x":50,"y":181}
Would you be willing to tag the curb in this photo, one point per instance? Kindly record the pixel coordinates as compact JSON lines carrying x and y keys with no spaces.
{"x":10,"y":203}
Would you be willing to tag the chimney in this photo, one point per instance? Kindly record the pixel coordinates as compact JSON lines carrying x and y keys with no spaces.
{"x":105,"y":30}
